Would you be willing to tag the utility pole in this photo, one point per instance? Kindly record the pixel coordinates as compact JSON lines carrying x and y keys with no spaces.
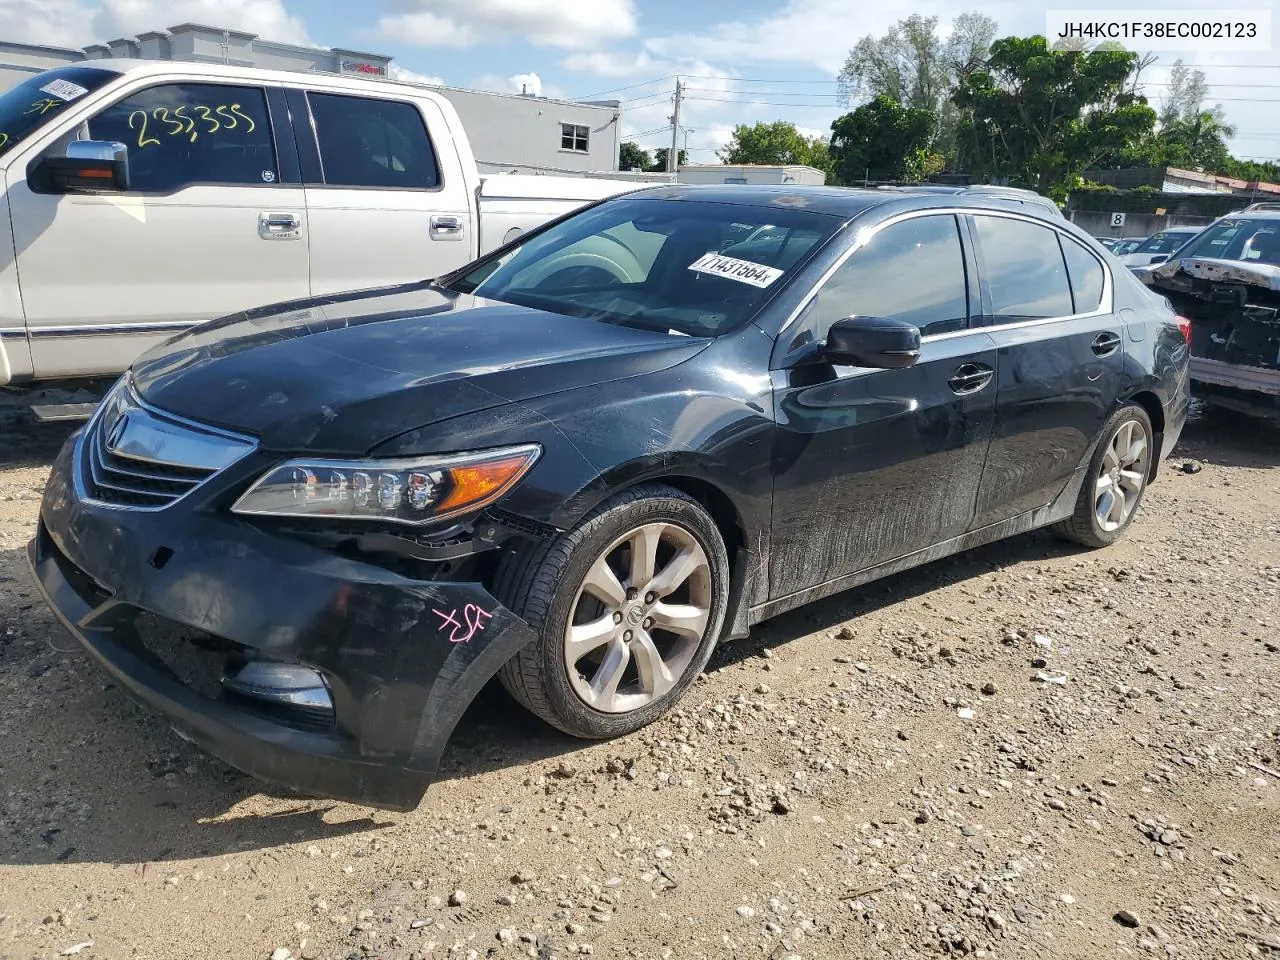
{"x":673,"y":153}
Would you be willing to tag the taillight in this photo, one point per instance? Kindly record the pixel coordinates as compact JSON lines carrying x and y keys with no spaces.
{"x":1185,"y":326}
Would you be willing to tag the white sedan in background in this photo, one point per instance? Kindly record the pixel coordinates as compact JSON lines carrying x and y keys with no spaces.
{"x":1158,"y":247}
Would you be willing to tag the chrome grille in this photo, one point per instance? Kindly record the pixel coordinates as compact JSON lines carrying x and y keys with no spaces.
{"x":138,"y":457}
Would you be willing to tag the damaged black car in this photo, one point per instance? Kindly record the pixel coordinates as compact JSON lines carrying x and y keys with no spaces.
{"x":309,"y":534}
{"x":1227,"y":282}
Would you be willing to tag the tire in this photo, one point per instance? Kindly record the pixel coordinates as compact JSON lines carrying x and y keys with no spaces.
{"x":1099,"y":519}
{"x":547,"y":588}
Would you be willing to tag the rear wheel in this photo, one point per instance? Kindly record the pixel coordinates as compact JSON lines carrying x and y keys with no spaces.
{"x":627,"y":607}
{"x":1116,"y":481}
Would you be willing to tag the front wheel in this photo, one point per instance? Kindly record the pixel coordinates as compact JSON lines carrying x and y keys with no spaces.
{"x":627,"y":607}
{"x":1116,"y":481}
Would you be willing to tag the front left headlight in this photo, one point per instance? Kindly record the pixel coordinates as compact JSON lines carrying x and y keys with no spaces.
{"x":409,"y":491}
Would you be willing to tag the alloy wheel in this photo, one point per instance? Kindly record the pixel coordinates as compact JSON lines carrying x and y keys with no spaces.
{"x":638,"y":618}
{"x":1121,"y":476}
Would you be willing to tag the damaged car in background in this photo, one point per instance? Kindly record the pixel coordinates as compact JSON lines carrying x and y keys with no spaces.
{"x":1227,"y":282}
{"x":309,"y":534}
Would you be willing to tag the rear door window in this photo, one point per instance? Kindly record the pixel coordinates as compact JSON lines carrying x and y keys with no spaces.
{"x":1023,"y":269}
{"x":1085,"y":274}
{"x":181,"y":134}
{"x":373,"y":143}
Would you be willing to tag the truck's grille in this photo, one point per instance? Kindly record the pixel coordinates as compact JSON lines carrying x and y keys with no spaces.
{"x":144,"y":459}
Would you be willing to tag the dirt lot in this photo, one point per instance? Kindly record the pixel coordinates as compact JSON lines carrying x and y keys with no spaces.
{"x":1027,"y":750}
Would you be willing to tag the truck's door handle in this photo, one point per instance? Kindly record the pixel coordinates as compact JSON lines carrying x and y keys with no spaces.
{"x":970,"y":378}
{"x":279,"y":226}
{"x":1105,"y":344}
{"x":446,"y":228}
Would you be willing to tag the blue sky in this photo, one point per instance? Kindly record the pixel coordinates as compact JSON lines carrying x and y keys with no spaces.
{"x":745,"y":61}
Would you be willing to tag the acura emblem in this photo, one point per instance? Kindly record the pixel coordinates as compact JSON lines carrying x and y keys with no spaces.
{"x":117,"y":432}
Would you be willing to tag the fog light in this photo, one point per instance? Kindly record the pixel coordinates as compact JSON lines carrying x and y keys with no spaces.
{"x":286,"y":684}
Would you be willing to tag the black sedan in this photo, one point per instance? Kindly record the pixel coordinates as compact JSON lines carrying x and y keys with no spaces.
{"x":309,"y":534}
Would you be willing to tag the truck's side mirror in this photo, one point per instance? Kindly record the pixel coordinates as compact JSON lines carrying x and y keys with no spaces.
{"x":97,"y":165}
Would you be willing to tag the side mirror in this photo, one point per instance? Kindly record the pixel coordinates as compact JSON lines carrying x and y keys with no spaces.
{"x":872,"y":342}
{"x":1159,"y":258}
{"x":98,"y":165}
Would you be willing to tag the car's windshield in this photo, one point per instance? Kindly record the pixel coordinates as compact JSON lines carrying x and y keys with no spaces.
{"x":685,"y":266}
{"x":1165,"y":242}
{"x":1125,"y":246}
{"x":39,"y":99}
{"x":1238,"y":238}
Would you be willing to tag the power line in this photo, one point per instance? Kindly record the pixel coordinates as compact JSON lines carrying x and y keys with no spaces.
{"x":832,"y":96}
{"x":634,"y":86}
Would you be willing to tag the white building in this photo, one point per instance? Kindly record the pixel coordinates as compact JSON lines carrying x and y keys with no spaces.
{"x":508,"y":132}
{"x":750,"y":173}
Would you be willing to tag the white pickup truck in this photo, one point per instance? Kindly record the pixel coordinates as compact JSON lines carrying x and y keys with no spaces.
{"x":141,"y":197}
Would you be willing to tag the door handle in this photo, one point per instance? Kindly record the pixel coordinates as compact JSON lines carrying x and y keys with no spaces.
{"x":1105,"y":344}
{"x":446,"y":228}
{"x":279,"y":226}
{"x":970,"y":378}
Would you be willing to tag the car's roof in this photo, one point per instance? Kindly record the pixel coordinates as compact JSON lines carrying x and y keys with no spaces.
{"x":846,"y":202}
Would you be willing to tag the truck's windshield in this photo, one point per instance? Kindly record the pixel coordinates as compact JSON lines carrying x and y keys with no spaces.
{"x":34,"y":102}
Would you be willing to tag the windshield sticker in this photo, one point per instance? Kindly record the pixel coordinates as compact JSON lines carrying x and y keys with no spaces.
{"x":744,"y":271}
{"x":63,"y":89}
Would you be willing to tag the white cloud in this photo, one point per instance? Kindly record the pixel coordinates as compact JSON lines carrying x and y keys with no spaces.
{"x":73,"y":23}
{"x":397,"y":72}
{"x":529,"y":83}
{"x":612,"y":64}
{"x":568,"y":24}
{"x":56,"y":23}
{"x":267,"y":18}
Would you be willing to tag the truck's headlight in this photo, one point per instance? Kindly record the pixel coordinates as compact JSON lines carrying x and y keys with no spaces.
{"x":409,"y":491}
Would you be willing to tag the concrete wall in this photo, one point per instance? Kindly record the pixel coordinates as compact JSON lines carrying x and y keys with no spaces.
{"x":517,"y":133}
{"x":1135,"y":224}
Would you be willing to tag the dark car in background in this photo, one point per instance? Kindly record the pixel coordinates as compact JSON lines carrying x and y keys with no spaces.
{"x":309,"y":534}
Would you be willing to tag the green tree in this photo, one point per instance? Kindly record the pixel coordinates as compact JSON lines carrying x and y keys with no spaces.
{"x":1197,"y":142}
{"x":913,"y":65}
{"x":632,"y":156}
{"x":774,"y":143}
{"x":1186,"y":96}
{"x":1040,"y":117}
{"x":882,"y":140}
{"x":659,"y":164}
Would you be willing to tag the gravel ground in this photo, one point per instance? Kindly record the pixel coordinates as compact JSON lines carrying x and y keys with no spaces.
{"x":1027,"y":749}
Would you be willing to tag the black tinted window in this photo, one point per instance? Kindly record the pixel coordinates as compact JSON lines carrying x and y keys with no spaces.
{"x":41,"y":99}
{"x":912,"y":271}
{"x":1086,"y":276}
{"x":186,"y":133}
{"x":1024,"y":270}
{"x":373,"y":143}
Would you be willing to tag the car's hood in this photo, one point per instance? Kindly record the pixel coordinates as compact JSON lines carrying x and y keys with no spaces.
{"x":340,"y":374}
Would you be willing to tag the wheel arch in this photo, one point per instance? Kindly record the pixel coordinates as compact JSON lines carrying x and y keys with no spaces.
{"x":744,"y":540}
{"x":1154,"y":409}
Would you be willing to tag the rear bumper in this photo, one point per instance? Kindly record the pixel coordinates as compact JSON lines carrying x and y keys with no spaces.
{"x":1236,"y":376}
{"x":402,"y":659}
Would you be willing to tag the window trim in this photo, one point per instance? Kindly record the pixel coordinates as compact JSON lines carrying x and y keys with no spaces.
{"x":308,"y":92}
{"x":965,"y":213}
{"x":273,"y":123}
{"x":586,"y":139}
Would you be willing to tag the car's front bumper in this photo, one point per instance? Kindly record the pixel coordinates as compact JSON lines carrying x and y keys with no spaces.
{"x":401,"y":658}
